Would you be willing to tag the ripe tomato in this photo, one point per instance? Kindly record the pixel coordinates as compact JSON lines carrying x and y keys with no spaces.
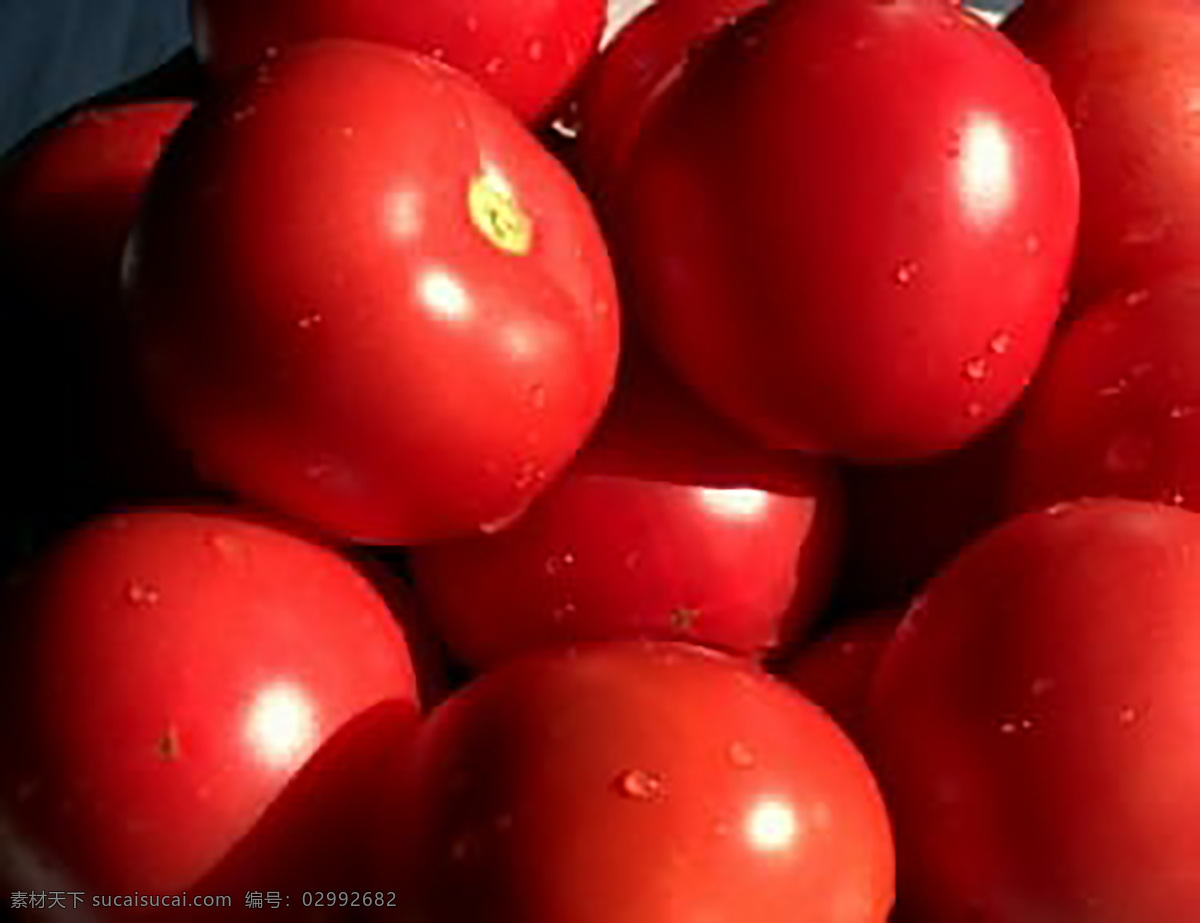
{"x":836,"y":671}
{"x":814,"y":289}
{"x":367,"y":297}
{"x":1128,"y":74}
{"x":69,"y":200}
{"x":526,"y":53}
{"x":1116,"y":411}
{"x":77,"y":429}
{"x":652,"y":782}
{"x":631,"y":74}
{"x":1036,"y":723}
{"x":668,"y":526}
{"x":188,"y":696}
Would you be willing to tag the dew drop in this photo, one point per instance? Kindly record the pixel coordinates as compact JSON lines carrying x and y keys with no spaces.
{"x":1001,"y":343}
{"x":494,"y":66}
{"x":142,"y":594}
{"x":741,"y":756}
{"x":438,"y":54}
{"x":494,"y":526}
{"x":537,"y":49}
{"x":1127,"y":716}
{"x":975,"y":370}
{"x":1008,"y":728}
{"x":472,"y":23}
{"x":1137,"y":297}
{"x":906,"y":272}
{"x":1116,"y":389}
{"x":308,"y":321}
{"x":1175,"y":498}
{"x":1183,"y":411}
{"x":640,"y":785}
{"x":1059,"y":509}
{"x":529,"y":475}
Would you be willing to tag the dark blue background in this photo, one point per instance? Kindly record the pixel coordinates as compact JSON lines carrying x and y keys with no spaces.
{"x":56,"y":52}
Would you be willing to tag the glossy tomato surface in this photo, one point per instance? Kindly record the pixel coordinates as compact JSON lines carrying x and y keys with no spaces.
{"x":669,"y":525}
{"x":1035,"y":723}
{"x":876,"y":274}
{"x":836,"y":670}
{"x":1116,"y":411}
{"x":527,"y":53}
{"x":193,"y":699}
{"x":367,"y":297}
{"x":627,"y":79}
{"x":657,"y":782}
{"x":1127,"y":72}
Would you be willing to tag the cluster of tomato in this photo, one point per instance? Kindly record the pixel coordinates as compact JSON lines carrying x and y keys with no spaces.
{"x":672,"y":376}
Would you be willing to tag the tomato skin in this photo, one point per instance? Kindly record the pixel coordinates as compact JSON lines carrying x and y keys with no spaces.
{"x":857,"y":267}
{"x":70,"y":199}
{"x":1127,"y":75}
{"x":1116,"y":410}
{"x":632,"y":73}
{"x":553,"y":789}
{"x":527,"y":54}
{"x":368,"y":298}
{"x":668,"y":526}
{"x":1048,"y":679}
{"x":174,"y":676}
{"x":836,"y":670}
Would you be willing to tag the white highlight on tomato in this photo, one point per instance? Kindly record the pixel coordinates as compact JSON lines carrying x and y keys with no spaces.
{"x":281,"y":726}
{"x":735,"y":502}
{"x":444,"y":296}
{"x":986,"y":179}
{"x":771,"y":826}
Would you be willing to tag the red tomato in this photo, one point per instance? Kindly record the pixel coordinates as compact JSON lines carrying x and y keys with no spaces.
{"x":77,"y":429}
{"x":836,"y":671}
{"x":876,"y":273}
{"x":631,"y":75}
{"x":367,"y":297}
{"x":70,"y":199}
{"x":1036,"y":723}
{"x":1128,"y":74}
{"x":1116,"y":411}
{"x":904,"y":522}
{"x":191,"y":697}
{"x":668,"y":526}
{"x":649,"y":783}
{"x":527,"y":53}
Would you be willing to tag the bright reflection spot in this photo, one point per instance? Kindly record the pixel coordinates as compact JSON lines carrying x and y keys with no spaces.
{"x":986,"y":169}
{"x":771,"y":826}
{"x":281,"y":726}
{"x":404,"y":217}
{"x":444,"y":296}
{"x":498,"y":181}
{"x":734,"y":503}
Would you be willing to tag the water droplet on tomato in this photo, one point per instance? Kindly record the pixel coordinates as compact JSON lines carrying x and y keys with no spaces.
{"x":494,"y":66}
{"x":1001,"y":343}
{"x":976,"y":369}
{"x":1127,"y":716}
{"x":536,"y":49}
{"x":308,"y":321}
{"x":906,"y":272}
{"x":741,"y":756}
{"x":142,"y":594}
{"x":640,"y":785}
{"x":1134,"y":298}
